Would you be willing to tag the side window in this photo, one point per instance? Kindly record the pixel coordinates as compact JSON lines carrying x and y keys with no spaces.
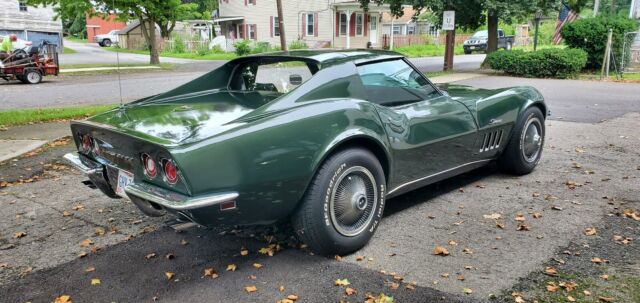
{"x":276,"y":77}
{"x":392,"y":83}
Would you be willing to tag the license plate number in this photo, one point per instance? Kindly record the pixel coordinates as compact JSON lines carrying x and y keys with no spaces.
{"x":472,"y":47}
{"x":124,"y":179}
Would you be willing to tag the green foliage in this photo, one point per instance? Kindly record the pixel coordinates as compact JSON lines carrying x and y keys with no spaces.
{"x":546,"y":63}
{"x":298,"y":44}
{"x":178,"y":45}
{"x":261,"y":47}
{"x":202,"y":49}
{"x":591,"y":35}
{"x":242,"y":47}
{"x":426,"y":50}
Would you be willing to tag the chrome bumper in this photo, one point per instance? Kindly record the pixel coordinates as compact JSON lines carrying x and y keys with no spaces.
{"x":165,"y":198}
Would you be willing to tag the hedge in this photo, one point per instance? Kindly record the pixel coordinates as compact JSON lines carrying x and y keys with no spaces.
{"x":590,"y":35}
{"x":545,"y":63}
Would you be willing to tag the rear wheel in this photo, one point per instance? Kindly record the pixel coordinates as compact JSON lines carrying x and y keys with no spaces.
{"x":467,"y":52}
{"x":106,"y":43}
{"x":343,"y":205}
{"x":524,"y":149}
{"x":31,"y":77}
{"x":509,"y":46}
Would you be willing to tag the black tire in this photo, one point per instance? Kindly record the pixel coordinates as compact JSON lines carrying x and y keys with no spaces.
{"x":31,"y":77}
{"x":523,"y":152}
{"x":106,"y":43}
{"x":508,"y":47}
{"x":467,"y":52}
{"x":318,"y":221}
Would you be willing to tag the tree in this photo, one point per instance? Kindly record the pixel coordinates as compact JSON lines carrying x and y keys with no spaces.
{"x":162,"y":14}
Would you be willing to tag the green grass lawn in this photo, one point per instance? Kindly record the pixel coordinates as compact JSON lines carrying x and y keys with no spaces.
{"x":74,"y":39}
{"x":26,"y":116}
{"x":426,"y":50}
{"x":69,"y":50}
{"x":193,"y":56}
{"x":70,"y":66}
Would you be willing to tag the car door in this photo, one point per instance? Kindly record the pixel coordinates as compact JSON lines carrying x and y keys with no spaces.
{"x":429,"y":132}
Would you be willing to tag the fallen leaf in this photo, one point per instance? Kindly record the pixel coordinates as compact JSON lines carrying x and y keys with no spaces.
{"x":338,"y":258}
{"x":494,"y":216}
{"x":597,"y":260}
{"x":605,"y":277}
{"x":550,"y":271}
{"x":183,"y":242}
{"x":552,"y":287}
{"x":523,"y":227}
{"x":349,"y":291}
{"x":292,"y":297}
{"x":252,"y":277}
{"x":231,"y":267}
{"x":590,"y":231}
{"x":606,"y":299}
{"x":520,"y":218}
{"x":568,"y":286}
{"x":281,"y":288}
{"x":86,"y":243}
{"x":66,"y":214}
{"x":210,"y":272}
{"x":82,"y":254}
{"x":444,"y":274}
{"x":19,"y":235}
{"x":78,"y":207}
{"x":250,"y":288}
{"x":63,"y":299}
{"x":555,"y":207}
{"x":537,"y":215}
{"x":90,"y":269}
{"x":410,"y":286}
{"x":467,"y":291}
{"x":150,"y":256}
{"x":441,"y":251}
{"x":461,"y":277}
{"x":359,"y":258}
{"x":127,"y":238}
{"x":342,"y":282}
{"x":244,"y":252}
{"x":169,"y":275}
{"x":586,"y":293}
{"x":467,"y":251}
{"x":99,"y":231}
{"x":519,"y":299}
{"x":257,"y":265}
{"x":95,"y":282}
{"x":453,"y":243}
{"x":571,"y":299}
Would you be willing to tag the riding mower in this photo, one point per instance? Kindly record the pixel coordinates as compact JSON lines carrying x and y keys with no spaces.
{"x":31,"y":63}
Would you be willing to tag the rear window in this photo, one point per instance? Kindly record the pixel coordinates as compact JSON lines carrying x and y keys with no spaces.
{"x":273,"y":77}
{"x":392,"y":83}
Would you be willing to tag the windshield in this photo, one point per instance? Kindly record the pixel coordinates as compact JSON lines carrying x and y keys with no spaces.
{"x":480,"y":35}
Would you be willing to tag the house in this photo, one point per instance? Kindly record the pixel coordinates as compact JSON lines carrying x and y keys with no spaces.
{"x":407,"y":25}
{"x":102,"y":24}
{"x":35,"y":24}
{"x":131,"y":36}
{"x":331,"y":23}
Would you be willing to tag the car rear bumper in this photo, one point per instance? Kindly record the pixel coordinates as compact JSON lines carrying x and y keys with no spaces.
{"x":160,"y":198}
{"x":475,"y":47}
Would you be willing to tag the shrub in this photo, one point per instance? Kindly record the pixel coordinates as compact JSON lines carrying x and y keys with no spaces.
{"x":298,"y":44}
{"x":261,"y":47}
{"x":178,"y":45}
{"x":545,"y":63}
{"x":591,"y":35}
{"x":201,"y":48}
{"x":242,"y":48}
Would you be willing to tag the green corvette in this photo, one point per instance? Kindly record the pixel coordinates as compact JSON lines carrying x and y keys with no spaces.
{"x":321,"y":138}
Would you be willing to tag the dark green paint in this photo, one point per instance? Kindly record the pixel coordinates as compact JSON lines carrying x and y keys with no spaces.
{"x":267,"y":146}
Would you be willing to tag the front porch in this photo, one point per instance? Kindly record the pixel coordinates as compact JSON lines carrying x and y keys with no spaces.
{"x":355,"y":28}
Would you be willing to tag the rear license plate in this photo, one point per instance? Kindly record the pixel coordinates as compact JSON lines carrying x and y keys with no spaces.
{"x":472,"y":47}
{"x":124,"y":179}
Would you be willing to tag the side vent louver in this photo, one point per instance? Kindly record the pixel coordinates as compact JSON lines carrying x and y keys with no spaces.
{"x":491,"y":140}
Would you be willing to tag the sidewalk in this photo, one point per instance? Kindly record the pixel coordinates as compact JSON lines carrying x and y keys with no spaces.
{"x":22,"y":139}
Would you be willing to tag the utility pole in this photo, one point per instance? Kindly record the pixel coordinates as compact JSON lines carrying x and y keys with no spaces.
{"x":632,"y":11}
{"x":283,"y":39}
{"x":448,"y":25}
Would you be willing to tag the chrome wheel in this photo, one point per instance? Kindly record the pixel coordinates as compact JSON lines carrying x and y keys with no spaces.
{"x":33,"y":77}
{"x":353,"y":201}
{"x":532,"y":140}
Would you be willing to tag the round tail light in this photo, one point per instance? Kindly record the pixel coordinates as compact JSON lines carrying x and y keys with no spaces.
{"x":150,"y":168}
{"x":86,"y":143}
{"x":170,"y":171}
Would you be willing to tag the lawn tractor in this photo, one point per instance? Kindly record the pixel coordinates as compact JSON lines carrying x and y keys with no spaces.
{"x":31,"y":63}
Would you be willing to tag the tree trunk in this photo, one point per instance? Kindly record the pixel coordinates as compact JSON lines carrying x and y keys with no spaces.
{"x":492,"y":27}
{"x":149,"y":33}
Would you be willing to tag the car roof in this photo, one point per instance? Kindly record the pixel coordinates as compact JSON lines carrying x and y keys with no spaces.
{"x":329,"y":57}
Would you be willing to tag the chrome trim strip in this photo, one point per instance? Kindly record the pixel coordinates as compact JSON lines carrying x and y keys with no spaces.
{"x":436,"y":174}
{"x":175,"y":201}
{"x":74,"y":160}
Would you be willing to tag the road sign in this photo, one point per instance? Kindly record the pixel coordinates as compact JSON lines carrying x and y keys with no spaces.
{"x":449,"y":20}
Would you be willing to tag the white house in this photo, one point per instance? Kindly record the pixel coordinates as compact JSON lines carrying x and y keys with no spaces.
{"x":30,"y":23}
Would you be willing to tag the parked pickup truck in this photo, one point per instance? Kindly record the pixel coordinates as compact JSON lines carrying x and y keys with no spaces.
{"x":478,"y":42}
{"x":107,"y":39}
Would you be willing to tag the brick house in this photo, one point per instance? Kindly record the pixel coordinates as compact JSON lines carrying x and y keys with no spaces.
{"x":29,"y":23}
{"x":330,"y":23}
{"x":102,"y":24}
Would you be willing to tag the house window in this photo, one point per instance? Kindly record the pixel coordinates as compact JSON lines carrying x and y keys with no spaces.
{"x":252,"y":31}
{"x":411,"y":30}
{"x":251,"y":2}
{"x":276,"y":27}
{"x":343,"y":24}
{"x":310,"y":25}
{"x":359,"y":24}
{"x":241,"y":31}
{"x":373,"y":20}
{"x":22,"y":4}
{"x":396,"y":30}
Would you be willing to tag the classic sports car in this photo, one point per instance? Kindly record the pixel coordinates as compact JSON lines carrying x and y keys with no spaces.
{"x":322,"y":138}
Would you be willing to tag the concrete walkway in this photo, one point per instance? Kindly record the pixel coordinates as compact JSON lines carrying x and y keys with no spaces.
{"x":19,"y":140}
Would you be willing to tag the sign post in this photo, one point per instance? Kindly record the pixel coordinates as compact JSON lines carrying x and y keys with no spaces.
{"x":449,"y":25}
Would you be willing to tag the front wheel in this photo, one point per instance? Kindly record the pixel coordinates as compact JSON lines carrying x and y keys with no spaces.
{"x":524,"y":150}
{"x":106,"y":43}
{"x":467,"y":52}
{"x":509,"y":46}
{"x":343,"y":206}
{"x":31,"y":77}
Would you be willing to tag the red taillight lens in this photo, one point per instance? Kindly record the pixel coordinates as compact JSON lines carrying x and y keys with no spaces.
{"x":86,"y":143}
{"x":170,"y":171}
{"x":149,"y":164}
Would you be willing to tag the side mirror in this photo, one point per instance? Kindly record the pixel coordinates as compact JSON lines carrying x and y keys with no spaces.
{"x":295,"y":79}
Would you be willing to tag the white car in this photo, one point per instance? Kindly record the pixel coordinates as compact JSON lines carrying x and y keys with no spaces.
{"x":108,"y":39}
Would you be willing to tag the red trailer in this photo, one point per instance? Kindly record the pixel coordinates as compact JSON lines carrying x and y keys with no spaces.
{"x":30,"y":64}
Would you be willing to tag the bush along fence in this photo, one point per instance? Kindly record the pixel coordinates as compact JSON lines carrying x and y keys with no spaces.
{"x":545,"y":63}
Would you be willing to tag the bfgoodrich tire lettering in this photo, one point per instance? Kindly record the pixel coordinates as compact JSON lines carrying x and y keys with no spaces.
{"x":524,"y":150}
{"x":344,"y":203}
